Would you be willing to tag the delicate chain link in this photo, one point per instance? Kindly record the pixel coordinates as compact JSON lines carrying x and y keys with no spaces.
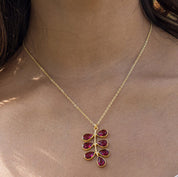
{"x":114,"y":97}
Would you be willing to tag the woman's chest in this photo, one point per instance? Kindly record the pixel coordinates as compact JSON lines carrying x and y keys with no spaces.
{"x":41,"y":136}
{"x":41,"y":145}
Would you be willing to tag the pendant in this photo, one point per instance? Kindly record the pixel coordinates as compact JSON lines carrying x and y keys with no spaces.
{"x":100,"y":151}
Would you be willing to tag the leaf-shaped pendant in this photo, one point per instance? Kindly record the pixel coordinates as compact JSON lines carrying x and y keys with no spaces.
{"x":104,"y":153}
{"x":87,"y":137}
{"x":102,"y":143}
{"x":89,"y":155}
{"x":102,"y":133}
{"x":87,"y":146}
{"x":101,"y":162}
{"x":90,"y":141}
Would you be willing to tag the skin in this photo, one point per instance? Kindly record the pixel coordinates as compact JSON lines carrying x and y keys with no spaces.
{"x":88,"y":47}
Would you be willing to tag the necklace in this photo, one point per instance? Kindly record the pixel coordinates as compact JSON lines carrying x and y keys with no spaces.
{"x":91,"y":139}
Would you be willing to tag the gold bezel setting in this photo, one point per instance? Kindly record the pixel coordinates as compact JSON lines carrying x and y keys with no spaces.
{"x":89,"y":158}
{"x":88,"y":148}
{"x":96,"y":152}
{"x":105,"y":156}
{"x":101,"y":166}
{"x":87,"y":139}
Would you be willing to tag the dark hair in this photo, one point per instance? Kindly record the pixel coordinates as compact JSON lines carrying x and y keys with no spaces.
{"x":15,"y":15}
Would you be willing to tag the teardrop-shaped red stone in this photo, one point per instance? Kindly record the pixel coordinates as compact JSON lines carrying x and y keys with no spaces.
{"x":87,"y":146}
{"x":104,"y":152}
{"x":89,"y":155}
{"x":103,"y":143}
{"x":101,"y":162}
{"x":87,"y":137}
{"x":102,"y":133}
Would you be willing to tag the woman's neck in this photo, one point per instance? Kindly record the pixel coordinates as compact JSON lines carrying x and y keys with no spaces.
{"x":74,"y":38}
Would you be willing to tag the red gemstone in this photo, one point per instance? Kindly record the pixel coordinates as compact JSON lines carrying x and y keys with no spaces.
{"x":87,"y":146}
{"x":101,"y":162}
{"x":102,"y":133}
{"x":102,"y":143}
{"x":89,"y":155}
{"x":87,"y":137}
{"x":104,"y":152}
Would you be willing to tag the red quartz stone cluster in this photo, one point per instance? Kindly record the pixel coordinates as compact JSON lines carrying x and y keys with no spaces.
{"x":102,"y":144}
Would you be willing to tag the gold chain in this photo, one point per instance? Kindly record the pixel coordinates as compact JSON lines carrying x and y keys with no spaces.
{"x":114,"y":97}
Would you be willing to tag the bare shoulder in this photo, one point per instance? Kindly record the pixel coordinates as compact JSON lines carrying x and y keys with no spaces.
{"x":158,"y":71}
{"x":17,"y":82}
{"x":162,"y":61}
